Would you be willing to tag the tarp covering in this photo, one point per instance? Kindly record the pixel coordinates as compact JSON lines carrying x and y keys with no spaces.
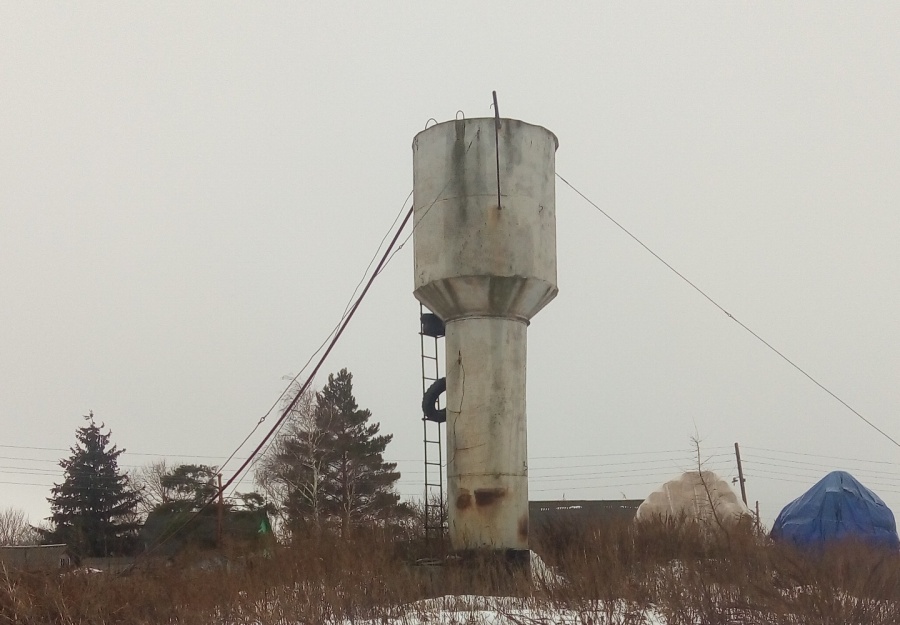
{"x":695,"y":496}
{"x":837,"y":507}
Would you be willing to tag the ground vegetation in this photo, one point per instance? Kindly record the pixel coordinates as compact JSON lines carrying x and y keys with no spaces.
{"x":671,"y":572}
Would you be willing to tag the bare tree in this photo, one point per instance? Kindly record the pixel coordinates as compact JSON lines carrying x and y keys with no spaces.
{"x":291,"y":473}
{"x":712,"y":497}
{"x":15,"y":528}
{"x":148,"y":481}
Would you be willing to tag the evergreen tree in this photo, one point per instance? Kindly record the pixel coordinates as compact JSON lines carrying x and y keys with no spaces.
{"x":93,"y":507}
{"x":328,"y":467}
{"x":359,"y":484}
{"x":191,"y":486}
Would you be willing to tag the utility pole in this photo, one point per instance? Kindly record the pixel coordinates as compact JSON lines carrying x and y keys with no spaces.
{"x":740,"y":468}
{"x":221,"y":512}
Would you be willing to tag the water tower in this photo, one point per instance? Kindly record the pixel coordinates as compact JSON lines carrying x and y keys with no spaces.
{"x":485,"y":263}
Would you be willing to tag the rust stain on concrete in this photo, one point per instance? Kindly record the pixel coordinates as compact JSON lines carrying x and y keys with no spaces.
{"x":488,"y":496}
{"x":523,"y":528}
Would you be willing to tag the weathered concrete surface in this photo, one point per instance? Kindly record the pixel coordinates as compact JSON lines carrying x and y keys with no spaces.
{"x":472,"y":258}
{"x":485,"y":267}
{"x":487,"y":464}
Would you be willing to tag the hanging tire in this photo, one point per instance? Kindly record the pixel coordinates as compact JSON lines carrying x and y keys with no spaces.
{"x":430,"y":400}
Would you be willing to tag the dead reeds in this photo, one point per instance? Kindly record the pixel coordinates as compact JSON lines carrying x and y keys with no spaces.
{"x":615,"y":573}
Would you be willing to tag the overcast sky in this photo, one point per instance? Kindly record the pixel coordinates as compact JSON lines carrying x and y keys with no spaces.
{"x":190,"y":192}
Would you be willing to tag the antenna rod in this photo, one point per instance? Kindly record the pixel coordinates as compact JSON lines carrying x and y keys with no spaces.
{"x":497,"y":144}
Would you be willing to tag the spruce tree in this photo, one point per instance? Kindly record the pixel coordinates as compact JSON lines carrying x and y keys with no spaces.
{"x":327,"y":469}
{"x":359,"y":484}
{"x":92,"y":510}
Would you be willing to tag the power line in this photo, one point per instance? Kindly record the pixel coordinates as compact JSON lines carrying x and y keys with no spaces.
{"x":631,"y":453}
{"x":594,"y":486}
{"x":124,"y":452}
{"x":327,"y":338}
{"x":287,"y":410}
{"x":791,"y":477}
{"x":692,"y":458}
{"x":625,"y":453}
{"x":728,"y":314}
{"x":385,"y":260}
{"x":799,"y":453}
{"x":27,"y":484}
{"x":812,"y":466}
{"x":817,"y":472}
{"x":644,"y":464}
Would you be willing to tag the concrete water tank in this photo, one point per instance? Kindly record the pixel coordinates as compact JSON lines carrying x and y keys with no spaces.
{"x":485,"y":267}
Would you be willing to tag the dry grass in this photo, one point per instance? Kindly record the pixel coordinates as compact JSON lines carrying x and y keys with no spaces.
{"x":687,"y":575}
{"x":692,"y":575}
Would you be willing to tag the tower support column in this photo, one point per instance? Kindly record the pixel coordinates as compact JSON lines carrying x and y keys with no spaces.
{"x":487,"y":447}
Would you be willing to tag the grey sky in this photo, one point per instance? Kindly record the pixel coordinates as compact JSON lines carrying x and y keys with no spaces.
{"x":190,"y":193}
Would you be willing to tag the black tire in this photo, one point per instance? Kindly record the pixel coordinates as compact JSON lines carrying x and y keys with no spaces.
{"x":432,"y":325}
{"x":430,"y":400}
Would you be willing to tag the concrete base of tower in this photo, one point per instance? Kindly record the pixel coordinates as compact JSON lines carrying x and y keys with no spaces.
{"x":475,"y":572}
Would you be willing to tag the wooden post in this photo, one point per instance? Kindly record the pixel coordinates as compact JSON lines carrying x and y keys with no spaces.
{"x":220,"y":515}
{"x":737,"y":453}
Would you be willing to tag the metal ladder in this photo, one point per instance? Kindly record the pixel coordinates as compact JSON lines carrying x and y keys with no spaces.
{"x":435,"y":514}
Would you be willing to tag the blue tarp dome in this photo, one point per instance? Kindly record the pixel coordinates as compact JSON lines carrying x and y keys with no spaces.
{"x":837,"y":507}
